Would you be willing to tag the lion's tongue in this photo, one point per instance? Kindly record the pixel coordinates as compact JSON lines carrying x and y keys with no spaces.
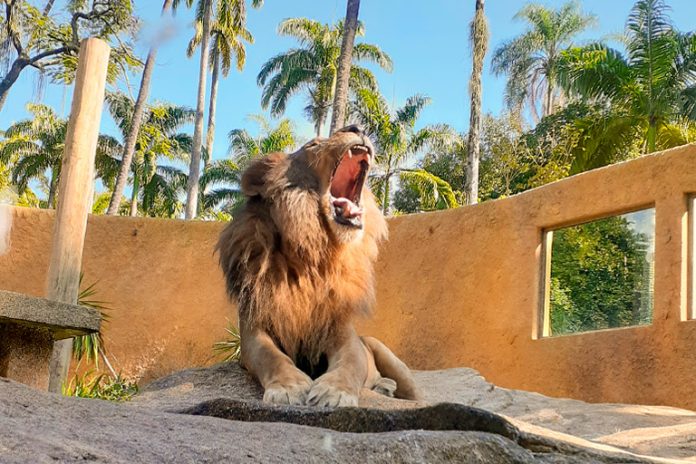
{"x":348,"y":208}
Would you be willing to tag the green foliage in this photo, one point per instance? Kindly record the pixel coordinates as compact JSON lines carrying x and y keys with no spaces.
{"x":531,"y":60}
{"x":445,"y":169}
{"x":432,"y":191}
{"x":505,"y":160}
{"x":101,"y":386}
{"x":564,"y":317}
{"x":231,"y":347}
{"x":48,"y":39}
{"x":313,"y":67}
{"x":648,"y":88}
{"x":228,"y":33}
{"x":34,"y":147}
{"x":155,"y":186}
{"x":244,"y":147}
{"x":574,"y":139}
{"x":601,"y":276}
{"x":91,"y":346}
{"x":396,"y":139}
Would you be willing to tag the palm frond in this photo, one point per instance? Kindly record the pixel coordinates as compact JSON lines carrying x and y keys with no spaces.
{"x":368,"y":52}
{"x":434,"y":192}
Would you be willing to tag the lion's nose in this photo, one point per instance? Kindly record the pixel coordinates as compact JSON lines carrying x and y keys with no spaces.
{"x":354,"y":128}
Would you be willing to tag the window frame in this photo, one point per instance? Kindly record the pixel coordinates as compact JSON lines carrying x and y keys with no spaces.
{"x":542,"y":328}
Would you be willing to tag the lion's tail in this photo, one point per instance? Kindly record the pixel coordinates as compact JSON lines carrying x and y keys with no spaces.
{"x":392,"y":367}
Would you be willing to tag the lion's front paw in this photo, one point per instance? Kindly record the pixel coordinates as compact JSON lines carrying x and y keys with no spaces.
{"x":288,"y":392}
{"x":326,"y":393}
{"x":385,"y":386}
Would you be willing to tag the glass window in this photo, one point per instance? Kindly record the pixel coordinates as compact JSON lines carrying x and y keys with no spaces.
{"x":600,"y":274}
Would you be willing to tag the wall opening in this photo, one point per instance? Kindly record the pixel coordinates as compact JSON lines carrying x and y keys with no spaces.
{"x":600,"y":274}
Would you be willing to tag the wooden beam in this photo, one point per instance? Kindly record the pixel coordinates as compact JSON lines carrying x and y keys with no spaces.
{"x":75,"y":191}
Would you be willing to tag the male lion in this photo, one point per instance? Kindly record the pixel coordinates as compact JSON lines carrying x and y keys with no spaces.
{"x":298,"y":259}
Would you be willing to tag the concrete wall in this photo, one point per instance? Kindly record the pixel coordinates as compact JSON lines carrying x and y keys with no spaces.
{"x":455,"y":288}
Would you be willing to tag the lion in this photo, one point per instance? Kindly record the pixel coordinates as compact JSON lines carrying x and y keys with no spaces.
{"x":298,"y":259}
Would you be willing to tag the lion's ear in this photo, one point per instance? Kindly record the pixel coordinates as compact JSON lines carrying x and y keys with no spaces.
{"x":255,"y":180}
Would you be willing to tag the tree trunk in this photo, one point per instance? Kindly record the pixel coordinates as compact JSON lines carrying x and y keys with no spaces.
{"x":134,"y":195}
{"x":479,"y":44}
{"x":47,"y":8}
{"x":136,"y":121}
{"x":344,"y":62}
{"x":549,"y":98}
{"x":210,"y":135}
{"x":195,"y":167}
{"x":385,"y":193}
{"x":52,"y":187}
{"x":12,"y":75}
{"x":319,"y":123}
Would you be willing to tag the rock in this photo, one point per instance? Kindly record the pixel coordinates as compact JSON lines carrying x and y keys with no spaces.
{"x":63,"y":320}
{"x":214,"y":414}
{"x":28,"y":327}
{"x":42,"y":427}
{"x":600,"y":427}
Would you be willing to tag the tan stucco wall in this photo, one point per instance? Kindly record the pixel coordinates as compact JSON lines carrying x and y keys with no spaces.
{"x":455,"y":288}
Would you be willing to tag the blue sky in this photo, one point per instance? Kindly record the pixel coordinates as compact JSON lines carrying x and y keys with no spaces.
{"x":427,"y":40}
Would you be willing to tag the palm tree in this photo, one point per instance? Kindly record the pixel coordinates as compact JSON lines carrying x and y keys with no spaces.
{"x":34,"y":146}
{"x":158,"y":138}
{"x":531,"y":60}
{"x":228,"y":34}
{"x":244,"y":147}
{"x":218,"y":187}
{"x":395,"y":137}
{"x":479,"y":45}
{"x":313,"y":67}
{"x":132,"y":137}
{"x":649,"y":89}
{"x":340,"y":103}
{"x":204,"y":11}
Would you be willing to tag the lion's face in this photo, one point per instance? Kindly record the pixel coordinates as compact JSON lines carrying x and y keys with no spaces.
{"x":341,"y":164}
{"x":328,"y":171}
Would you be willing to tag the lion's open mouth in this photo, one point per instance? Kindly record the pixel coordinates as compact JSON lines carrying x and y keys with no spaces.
{"x":346,"y":186}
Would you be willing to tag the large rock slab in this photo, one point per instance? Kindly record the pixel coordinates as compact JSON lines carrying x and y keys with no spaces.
{"x":215,"y":414}
{"x":657,"y":431}
{"x":40,"y":427}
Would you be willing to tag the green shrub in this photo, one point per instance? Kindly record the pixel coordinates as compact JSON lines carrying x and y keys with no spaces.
{"x":230,"y":348}
{"x":102,"y":386}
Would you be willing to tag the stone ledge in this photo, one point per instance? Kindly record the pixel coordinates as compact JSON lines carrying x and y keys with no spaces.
{"x":61,"y":319}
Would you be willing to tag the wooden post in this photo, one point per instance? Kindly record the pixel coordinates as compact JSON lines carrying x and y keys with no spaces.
{"x":75,"y":191}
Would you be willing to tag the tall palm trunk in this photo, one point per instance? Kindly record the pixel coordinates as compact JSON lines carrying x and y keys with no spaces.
{"x":385,"y":190}
{"x":319,"y":123}
{"x":479,"y":44}
{"x":195,"y":167}
{"x":549,"y":97}
{"x":210,"y":135}
{"x":52,"y":188}
{"x":134,"y":195}
{"x":350,"y":26}
{"x":136,"y":121}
